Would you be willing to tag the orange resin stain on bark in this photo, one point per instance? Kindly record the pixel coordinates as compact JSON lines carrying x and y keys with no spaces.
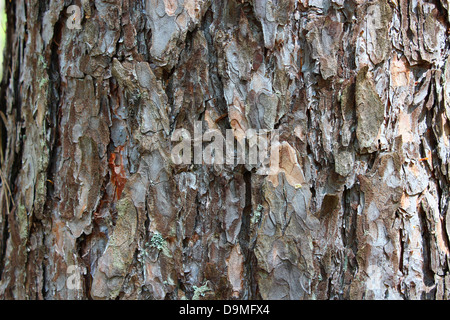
{"x":118,"y":173}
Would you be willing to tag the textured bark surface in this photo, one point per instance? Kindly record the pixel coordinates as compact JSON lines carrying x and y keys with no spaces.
{"x":359,"y":91}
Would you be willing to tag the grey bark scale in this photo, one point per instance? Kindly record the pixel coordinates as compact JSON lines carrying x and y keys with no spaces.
{"x":359,"y":91}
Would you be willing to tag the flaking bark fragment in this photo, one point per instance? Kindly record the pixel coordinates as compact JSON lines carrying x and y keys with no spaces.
{"x":369,"y":111}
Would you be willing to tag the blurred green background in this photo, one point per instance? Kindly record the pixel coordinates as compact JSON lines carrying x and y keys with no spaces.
{"x":2,"y":34}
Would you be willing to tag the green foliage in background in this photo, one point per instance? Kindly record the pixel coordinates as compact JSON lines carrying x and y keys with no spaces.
{"x":2,"y":34}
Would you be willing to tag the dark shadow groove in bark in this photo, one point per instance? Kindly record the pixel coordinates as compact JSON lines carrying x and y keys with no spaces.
{"x":350,"y":200}
{"x":244,"y":241}
{"x":428,"y":274}
{"x":44,"y":273}
{"x":54,"y":100}
{"x":52,"y":120}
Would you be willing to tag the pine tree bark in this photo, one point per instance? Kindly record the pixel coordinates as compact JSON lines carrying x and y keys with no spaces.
{"x":359,"y":91}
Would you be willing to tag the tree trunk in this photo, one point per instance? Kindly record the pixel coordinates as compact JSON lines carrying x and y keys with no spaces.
{"x":93,"y":205}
